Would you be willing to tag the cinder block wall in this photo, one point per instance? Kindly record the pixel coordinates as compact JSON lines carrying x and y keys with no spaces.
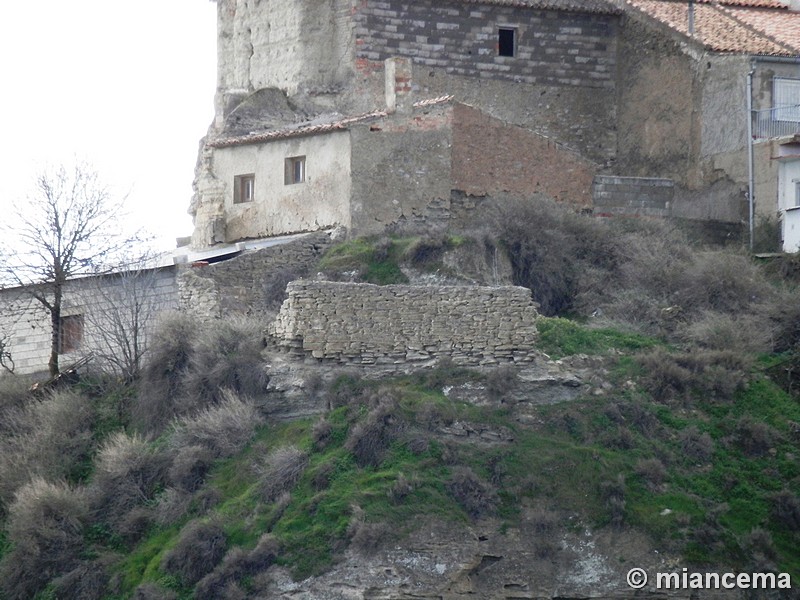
{"x":368,"y":324}
{"x":632,"y":196}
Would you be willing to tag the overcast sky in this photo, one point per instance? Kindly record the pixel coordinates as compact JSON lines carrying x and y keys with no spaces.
{"x":126,"y":86}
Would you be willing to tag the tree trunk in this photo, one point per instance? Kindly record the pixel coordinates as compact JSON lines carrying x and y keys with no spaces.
{"x":55,"y":323}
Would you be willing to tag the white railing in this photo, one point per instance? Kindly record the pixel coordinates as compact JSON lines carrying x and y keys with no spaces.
{"x":776,"y":122}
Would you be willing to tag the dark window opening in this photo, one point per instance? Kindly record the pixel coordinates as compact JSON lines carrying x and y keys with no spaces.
{"x":295,"y":170}
{"x":506,"y":41}
{"x":244,"y":188}
{"x":70,"y":333}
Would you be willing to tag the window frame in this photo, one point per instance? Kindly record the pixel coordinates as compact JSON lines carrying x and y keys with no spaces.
{"x":244,"y":188}
{"x":503,"y":44}
{"x":71,"y":330}
{"x":786,"y":99}
{"x":291,"y":175}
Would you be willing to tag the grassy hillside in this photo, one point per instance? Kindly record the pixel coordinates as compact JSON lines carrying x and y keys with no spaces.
{"x":178,"y":487}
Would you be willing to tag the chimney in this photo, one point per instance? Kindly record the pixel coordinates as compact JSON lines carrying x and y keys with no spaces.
{"x":399,"y":97}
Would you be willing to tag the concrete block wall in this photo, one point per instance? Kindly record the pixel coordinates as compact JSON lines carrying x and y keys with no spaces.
{"x":632,"y":196}
{"x":553,"y":48}
{"x":355,"y":323}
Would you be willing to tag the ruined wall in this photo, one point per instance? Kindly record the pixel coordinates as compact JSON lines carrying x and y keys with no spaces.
{"x":400,"y":171}
{"x":490,"y":156}
{"x":368,"y":324}
{"x":104,"y":302}
{"x":321,"y":201}
{"x":239,"y":284}
{"x":561,"y":81}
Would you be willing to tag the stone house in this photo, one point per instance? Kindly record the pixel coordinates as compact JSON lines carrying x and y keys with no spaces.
{"x":628,"y":88}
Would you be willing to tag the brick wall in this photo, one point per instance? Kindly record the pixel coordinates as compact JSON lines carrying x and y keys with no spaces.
{"x":490,"y":156}
{"x":632,"y":196}
{"x":553,"y":48}
{"x":368,"y":324}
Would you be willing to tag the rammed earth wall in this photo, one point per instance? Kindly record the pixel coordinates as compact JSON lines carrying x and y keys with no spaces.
{"x":369,"y":324}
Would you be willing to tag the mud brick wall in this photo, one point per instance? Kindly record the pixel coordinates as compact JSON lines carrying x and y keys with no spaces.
{"x":633,"y":196}
{"x":368,"y":324}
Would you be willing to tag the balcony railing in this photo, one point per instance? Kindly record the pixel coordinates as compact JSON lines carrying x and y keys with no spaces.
{"x":776,"y":122}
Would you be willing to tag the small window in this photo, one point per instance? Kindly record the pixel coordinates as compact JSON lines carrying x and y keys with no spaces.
{"x":797,"y":192}
{"x":295,"y":171}
{"x":70,"y":333}
{"x":506,"y":41}
{"x":244,"y":188}
{"x":786,"y":99}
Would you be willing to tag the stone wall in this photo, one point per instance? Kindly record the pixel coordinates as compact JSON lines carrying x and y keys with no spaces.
{"x":368,"y":324}
{"x":240,"y":284}
{"x":632,"y":196}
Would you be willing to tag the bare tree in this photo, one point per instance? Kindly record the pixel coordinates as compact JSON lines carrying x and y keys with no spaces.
{"x":69,"y":226}
{"x":126,"y":305}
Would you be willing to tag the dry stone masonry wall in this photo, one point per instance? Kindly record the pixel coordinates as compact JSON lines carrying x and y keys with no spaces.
{"x":368,"y":324}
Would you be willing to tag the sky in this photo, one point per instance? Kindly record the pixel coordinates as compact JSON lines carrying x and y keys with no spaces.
{"x":127,"y":87}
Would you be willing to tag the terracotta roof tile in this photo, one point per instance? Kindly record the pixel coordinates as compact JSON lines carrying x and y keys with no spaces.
{"x":586,"y":6}
{"x":323,"y":124}
{"x":730,"y":28}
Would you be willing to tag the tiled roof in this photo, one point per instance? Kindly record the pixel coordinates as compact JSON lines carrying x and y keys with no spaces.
{"x":738,"y":26}
{"x":323,"y":124}
{"x":585,"y":6}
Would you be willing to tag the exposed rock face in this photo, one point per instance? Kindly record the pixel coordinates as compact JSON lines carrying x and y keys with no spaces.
{"x":369,"y":324}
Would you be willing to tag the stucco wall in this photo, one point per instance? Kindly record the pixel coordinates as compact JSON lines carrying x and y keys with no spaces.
{"x":490,"y":156}
{"x":368,"y":324}
{"x":401,"y":171}
{"x":321,"y":201}
{"x":99,"y":299}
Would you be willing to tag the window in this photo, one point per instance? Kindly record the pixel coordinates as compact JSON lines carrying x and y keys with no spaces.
{"x":786,"y":99}
{"x":797,"y":192}
{"x":244,"y":188}
{"x":295,"y":171}
{"x":70,"y":333}
{"x":506,"y":41}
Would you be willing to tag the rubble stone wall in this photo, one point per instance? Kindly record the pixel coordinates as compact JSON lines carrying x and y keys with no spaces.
{"x":368,"y":324}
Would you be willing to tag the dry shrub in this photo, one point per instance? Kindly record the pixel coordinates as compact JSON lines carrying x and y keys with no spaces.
{"x":364,"y":537}
{"x":695,"y":445}
{"x":47,"y":439}
{"x":401,"y":488}
{"x":501,"y":382}
{"x":162,"y":381}
{"x":786,"y":509}
{"x":192,"y":364}
{"x":613,"y":492}
{"x":227,"y":356}
{"x":128,"y":472}
{"x":544,"y":524}
{"x":172,"y":505}
{"x":322,"y":477}
{"x":153,"y":591}
{"x":274,"y":287}
{"x":684,"y":375}
{"x":755,"y":438}
{"x":369,"y":439}
{"x":237,"y":565}
{"x":189,"y":467}
{"x":761,"y":550}
{"x":223,"y":429}
{"x":88,"y":581}
{"x":475,"y":496}
{"x":652,"y":471}
{"x":281,"y":469}
{"x":45,"y":529}
{"x":14,"y":395}
{"x":321,"y":434}
{"x":199,"y":550}
{"x":749,"y":334}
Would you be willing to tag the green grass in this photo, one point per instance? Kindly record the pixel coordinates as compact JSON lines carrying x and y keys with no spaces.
{"x":560,"y":337}
{"x":375,"y":262}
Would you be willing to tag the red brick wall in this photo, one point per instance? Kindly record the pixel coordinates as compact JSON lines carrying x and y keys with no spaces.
{"x":490,"y":156}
